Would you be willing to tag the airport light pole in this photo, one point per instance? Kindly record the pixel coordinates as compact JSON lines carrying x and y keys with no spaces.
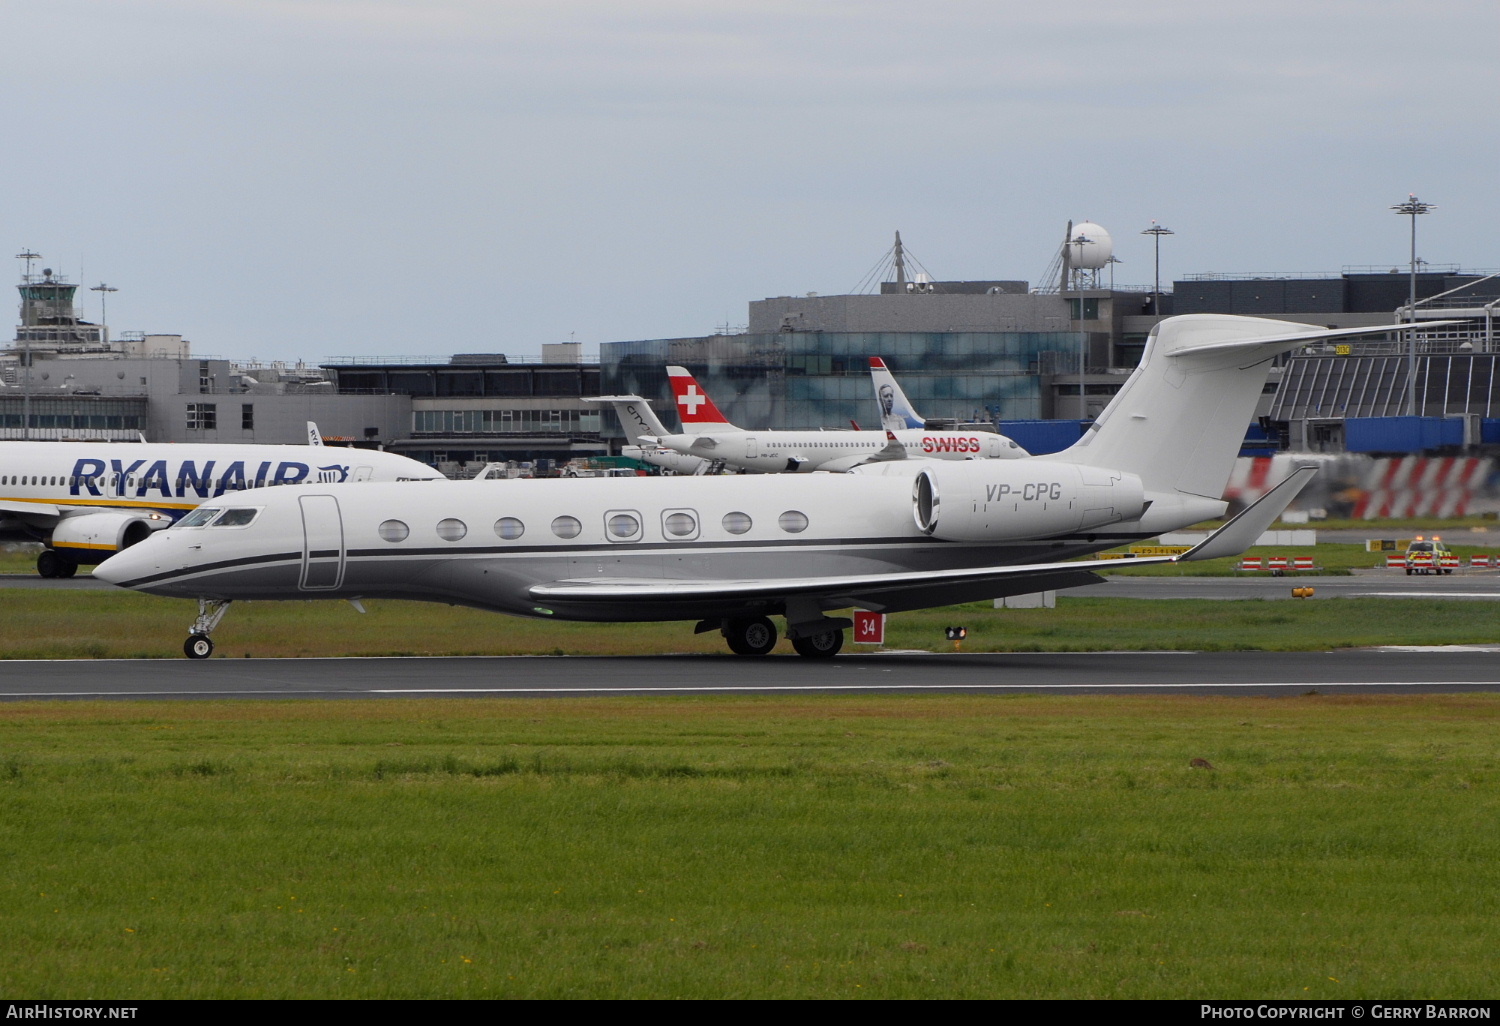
{"x":104,"y":291}
{"x":1156,"y":231}
{"x":1412,"y":207}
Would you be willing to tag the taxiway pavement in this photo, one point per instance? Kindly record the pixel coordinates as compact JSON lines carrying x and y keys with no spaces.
{"x":1391,"y":671}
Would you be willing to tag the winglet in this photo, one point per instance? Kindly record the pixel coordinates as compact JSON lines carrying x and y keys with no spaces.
{"x":1245,"y":527}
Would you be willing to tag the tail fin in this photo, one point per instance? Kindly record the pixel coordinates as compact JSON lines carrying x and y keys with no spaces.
{"x":314,"y":436}
{"x":1180,"y":418}
{"x":695,"y":409}
{"x":896,"y":413}
{"x":636,"y":417}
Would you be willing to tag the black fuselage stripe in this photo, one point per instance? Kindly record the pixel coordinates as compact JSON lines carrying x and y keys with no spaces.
{"x":703,"y":547}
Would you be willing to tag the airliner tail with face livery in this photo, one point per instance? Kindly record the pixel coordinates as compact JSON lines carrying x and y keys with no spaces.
{"x":731,"y":552}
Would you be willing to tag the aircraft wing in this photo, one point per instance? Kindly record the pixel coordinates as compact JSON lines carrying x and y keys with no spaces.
{"x":884,"y":591}
{"x":31,"y":509}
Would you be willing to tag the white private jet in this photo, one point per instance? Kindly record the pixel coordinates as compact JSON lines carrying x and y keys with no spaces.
{"x":87,"y":500}
{"x":731,"y":551}
{"x":708,"y":435}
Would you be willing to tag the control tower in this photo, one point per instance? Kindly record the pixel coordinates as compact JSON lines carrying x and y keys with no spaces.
{"x":49,"y":319}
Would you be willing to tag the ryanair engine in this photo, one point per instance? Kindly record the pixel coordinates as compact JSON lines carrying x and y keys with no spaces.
{"x":992,"y":500}
{"x":94,"y":537}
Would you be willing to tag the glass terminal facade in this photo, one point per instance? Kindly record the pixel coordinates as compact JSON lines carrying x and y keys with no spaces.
{"x":822,"y":379}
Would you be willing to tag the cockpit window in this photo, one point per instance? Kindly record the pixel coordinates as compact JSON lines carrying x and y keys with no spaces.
{"x":235,"y":518}
{"x":198,"y":517}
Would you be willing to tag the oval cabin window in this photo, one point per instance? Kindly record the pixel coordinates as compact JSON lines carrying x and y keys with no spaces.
{"x":623,"y":525}
{"x":394,"y":531}
{"x":793,"y":522}
{"x":567,"y":527}
{"x":450,"y":529}
{"x":509,"y":528}
{"x":680,"y":525}
{"x":737,"y":523}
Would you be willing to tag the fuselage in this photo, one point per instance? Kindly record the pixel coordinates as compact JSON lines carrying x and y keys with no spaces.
{"x":43,"y":482}
{"x":778,"y":452}
{"x":485,"y":544}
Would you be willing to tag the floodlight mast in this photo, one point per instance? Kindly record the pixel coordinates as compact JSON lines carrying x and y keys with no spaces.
{"x":1157,"y":231}
{"x":1411,"y":208}
{"x":104,"y":291}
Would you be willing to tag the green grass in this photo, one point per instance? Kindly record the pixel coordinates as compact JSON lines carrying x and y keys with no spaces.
{"x":832,"y":847}
{"x":110,"y":624}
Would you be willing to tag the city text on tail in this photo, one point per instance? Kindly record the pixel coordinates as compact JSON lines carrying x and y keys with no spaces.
{"x":731,"y":552}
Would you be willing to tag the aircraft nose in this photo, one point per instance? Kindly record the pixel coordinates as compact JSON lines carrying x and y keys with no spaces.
{"x":130,"y":564}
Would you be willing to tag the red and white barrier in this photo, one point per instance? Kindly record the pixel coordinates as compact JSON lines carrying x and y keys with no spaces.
{"x":1480,"y":561}
{"x":1395,"y":562}
{"x":1250,"y":563}
{"x":1302,"y":563}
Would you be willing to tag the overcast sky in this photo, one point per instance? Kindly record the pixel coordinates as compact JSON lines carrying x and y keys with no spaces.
{"x":314,"y":178}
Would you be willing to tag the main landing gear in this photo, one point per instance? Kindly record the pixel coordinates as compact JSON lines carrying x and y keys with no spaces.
{"x":210,"y":611}
{"x":820,"y":638}
{"x":52,"y":563}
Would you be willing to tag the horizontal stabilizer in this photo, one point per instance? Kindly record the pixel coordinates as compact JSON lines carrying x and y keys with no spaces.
{"x":1297,"y":337}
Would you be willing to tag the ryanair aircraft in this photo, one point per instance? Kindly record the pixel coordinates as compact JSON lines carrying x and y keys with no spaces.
{"x":729,"y":552}
{"x":87,"y":500}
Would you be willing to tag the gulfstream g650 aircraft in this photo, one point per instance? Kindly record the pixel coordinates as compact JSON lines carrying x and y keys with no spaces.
{"x":728,"y":552}
{"x":88,"y":500}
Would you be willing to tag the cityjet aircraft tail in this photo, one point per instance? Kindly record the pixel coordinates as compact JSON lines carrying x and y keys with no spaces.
{"x":694,"y":408}
{"x":896,"y":413}
{"x":642,"y":426}
{"x":1180,"y":419}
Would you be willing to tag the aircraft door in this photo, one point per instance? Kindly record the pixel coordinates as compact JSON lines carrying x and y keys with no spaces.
{"x":751,"y":451}
{"x":322,"y":543}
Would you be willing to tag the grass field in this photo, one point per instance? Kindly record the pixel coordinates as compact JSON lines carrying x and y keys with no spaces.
{"x":833,"y":847}
{"x":118,"y":624}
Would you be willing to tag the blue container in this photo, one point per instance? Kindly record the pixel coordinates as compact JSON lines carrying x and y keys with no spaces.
{"x":1489,"y":431}
{"x":1402,"y":434}
{"x":1043,"y":436}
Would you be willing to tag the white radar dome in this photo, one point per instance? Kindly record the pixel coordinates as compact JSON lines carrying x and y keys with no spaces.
{"x":1089,"y":247}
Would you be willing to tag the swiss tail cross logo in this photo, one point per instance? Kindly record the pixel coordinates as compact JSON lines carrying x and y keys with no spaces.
{"x":693,"y":405}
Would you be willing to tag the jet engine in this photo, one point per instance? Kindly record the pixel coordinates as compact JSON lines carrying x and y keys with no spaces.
{"x":1000,"y":500}
{"x":93,"y":537}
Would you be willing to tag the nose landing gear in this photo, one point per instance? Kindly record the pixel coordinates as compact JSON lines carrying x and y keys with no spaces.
{"x":210,"y":611}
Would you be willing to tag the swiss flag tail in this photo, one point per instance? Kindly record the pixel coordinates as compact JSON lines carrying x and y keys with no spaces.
{"x":694,"y":408}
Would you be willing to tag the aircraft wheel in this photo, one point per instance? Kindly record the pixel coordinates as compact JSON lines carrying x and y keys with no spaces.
{"x":198,"y":646}
{"x":66,"y":566}
{"x":49,"y":564}
{"x":754,"y":637}
{"x":819,"y":646}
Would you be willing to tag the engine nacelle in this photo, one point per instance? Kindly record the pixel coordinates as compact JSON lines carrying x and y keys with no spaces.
{"x":995,"y":500}
{"x":94,"y":537}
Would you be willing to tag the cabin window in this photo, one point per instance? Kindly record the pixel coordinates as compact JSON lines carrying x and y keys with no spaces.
{"x":792,"y":522}
{"x":450,"y":529}
{"x":509,"y":528}
{"x":198,"y":517}
{"x":623,"y":526}
{"x":393,"y":531}
{"x":235,"y":518}
{"x":567,"y":527}
{"x":680,"y":525}
{"x":737,"y":523}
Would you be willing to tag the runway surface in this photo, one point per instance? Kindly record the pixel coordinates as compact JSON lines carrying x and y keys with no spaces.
{"x":1396,"y":671}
